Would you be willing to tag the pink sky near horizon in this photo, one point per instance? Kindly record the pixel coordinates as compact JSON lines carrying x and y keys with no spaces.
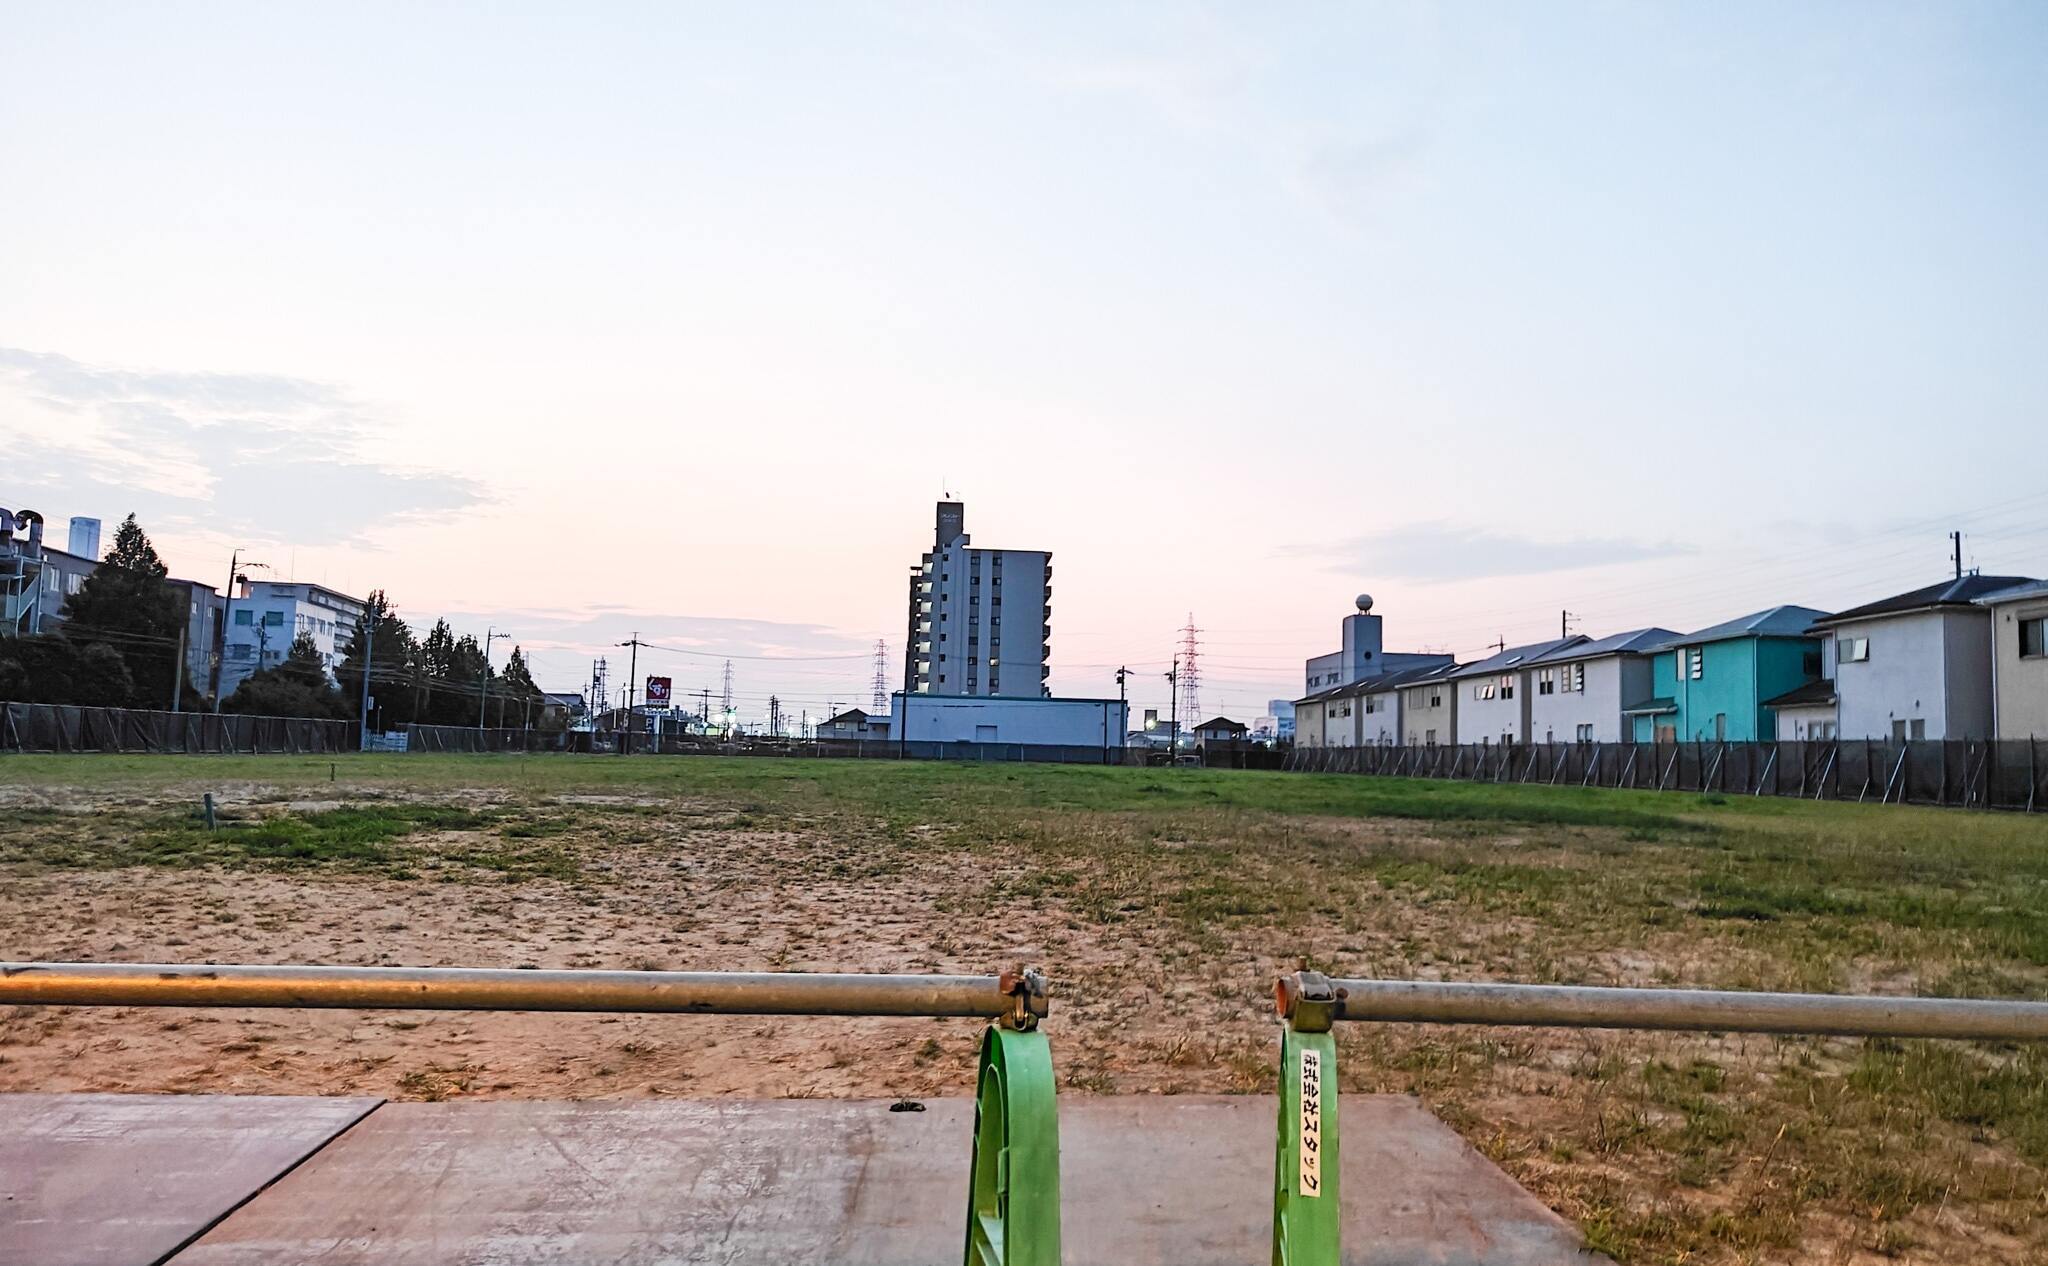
{"x":579,"y":325}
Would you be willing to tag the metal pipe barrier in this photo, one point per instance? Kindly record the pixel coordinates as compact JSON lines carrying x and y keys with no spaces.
{"x":1306,"y":1208}
{"x":1013,"y":994}
{"x":1013,"y":1196}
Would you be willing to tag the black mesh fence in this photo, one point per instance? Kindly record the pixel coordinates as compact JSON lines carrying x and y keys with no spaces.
{"x":52,"y":727}
{"x":2010,"y":774}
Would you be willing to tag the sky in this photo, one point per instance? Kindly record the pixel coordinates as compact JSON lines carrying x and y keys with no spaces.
{"x":584,"y":320}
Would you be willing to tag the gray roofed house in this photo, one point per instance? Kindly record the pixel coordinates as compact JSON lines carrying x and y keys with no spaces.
{"x":1577,"y":692}
{"x":1914,"y":665}
{"x":1493,"y":693}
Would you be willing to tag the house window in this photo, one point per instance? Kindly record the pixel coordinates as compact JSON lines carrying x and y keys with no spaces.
{"x":1429,"y":737}
{"x":2034,"y":637}
{"x":1546,"y":682}
{"x":1852,"y":650}
{"x":1483,"y":691}
{"x":1585,"y":734}
{"x":1507,"y":687}
{"x":1578,"y":678}
{"x":1696,"y":662}
{"x":1436,"y":700}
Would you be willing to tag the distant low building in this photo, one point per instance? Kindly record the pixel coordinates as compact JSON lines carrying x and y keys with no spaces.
{"x":562,"y":709}
{"x":1222,"y":732}
{"x":852,"y":724}
{"x":1029,"y":720}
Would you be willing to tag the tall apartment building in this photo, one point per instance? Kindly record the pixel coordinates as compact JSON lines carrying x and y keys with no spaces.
{"x":980,"y":619}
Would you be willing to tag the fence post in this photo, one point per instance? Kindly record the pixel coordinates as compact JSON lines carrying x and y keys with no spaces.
{"x":1013,"y":1194}
{"x":1307,"y":1216}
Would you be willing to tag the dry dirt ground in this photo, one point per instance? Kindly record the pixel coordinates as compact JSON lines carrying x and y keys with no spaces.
{"x":1665,"y":1148}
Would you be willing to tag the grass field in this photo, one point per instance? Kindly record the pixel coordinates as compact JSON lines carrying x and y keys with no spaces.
{"x":1161,"y":901}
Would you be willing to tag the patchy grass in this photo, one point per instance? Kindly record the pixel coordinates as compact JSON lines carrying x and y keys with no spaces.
{"x":1195,"y":886}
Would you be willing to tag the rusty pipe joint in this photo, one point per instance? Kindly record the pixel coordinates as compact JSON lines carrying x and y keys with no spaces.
{"x":1026,"y":989}
{"x":1308,"y":1001}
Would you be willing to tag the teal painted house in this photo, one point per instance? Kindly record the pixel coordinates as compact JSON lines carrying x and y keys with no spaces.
{"x":1711,"y":684}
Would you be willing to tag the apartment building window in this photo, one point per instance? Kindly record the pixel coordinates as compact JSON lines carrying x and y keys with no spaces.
{"x":1851,"y":650}
{"x":273,"y":619}
{"x":2034,"y":638}
{"x":1585,"y":734}
{"x":1546,"y":682}
{"x":244,"y":618}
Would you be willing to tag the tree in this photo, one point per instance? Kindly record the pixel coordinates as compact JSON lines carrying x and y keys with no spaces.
{"x":54,"y":669}
{"x":126,"y":605}
{"x":395,"y":655}
{"x":298,"y":687}
{"x":515,"y":687}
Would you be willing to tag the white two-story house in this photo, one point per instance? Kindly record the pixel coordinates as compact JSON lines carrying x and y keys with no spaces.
{"x":1915,"y":665}
{"x":1577,"y":692}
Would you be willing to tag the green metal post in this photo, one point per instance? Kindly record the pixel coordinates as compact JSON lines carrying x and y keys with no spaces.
{"x":1306,"y":1212}
{"x":1013,"y":1200}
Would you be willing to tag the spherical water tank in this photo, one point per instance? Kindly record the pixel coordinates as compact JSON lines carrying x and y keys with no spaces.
{"x":1364,"y":603}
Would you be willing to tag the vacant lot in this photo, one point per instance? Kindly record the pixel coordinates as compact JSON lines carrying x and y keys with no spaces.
{"x":1162,"y":902}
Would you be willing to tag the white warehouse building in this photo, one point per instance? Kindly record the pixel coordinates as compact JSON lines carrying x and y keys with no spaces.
{"x":1038,"y":721}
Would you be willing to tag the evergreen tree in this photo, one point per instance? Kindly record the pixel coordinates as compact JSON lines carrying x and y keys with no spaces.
{"x":432,"y":677}
{"x":396,"y":658}
{"x":298,"y":687}
{"x":126,"y":606}
{"x":515,"y":687}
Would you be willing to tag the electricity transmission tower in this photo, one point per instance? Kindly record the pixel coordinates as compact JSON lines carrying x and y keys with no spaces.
{"x":727,"y":700}
{"x":1190,"y":683}
{"x":881,"y":684}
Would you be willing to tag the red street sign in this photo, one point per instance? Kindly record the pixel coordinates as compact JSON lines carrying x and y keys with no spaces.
{"x":657,"y":689}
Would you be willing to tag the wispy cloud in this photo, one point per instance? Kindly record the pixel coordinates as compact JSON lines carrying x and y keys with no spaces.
{"x":235,"y":452}
{"x":1446,"y":552}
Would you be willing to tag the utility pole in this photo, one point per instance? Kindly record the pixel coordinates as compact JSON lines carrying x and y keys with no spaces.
{"x":490,"y":634}
{"x":1123,"y":709}
{"x":1564,"y":624}
{"x":1957,"y":537}
{"x":369,"y":653}
{"x":632,"y":683}
{"x":226,"y":608}
{"x":1173,"y":712}
{"x":704,"y":712}
{"x":1500,"y":645}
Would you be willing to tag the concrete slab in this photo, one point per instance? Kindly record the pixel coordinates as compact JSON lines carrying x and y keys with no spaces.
{"x":1146,"y":1182}
{"x":125,"y":1180}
